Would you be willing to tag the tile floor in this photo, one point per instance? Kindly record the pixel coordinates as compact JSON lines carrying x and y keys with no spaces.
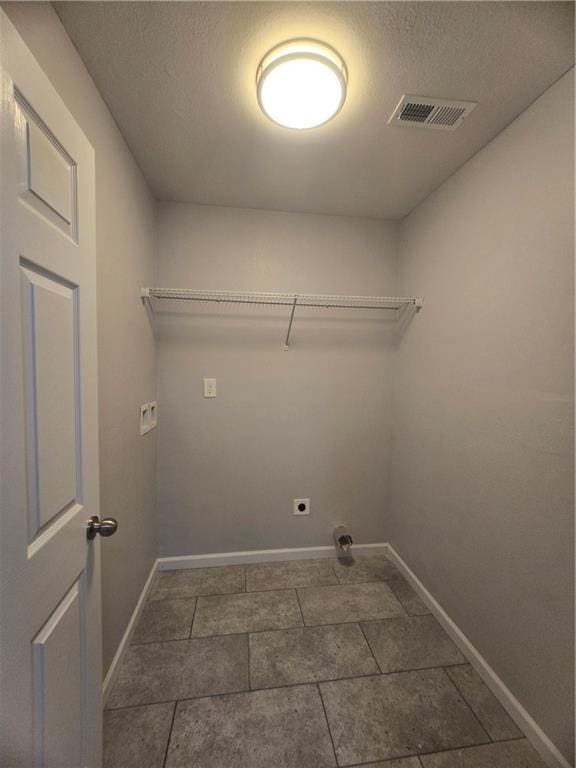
{"x":301,"y":664}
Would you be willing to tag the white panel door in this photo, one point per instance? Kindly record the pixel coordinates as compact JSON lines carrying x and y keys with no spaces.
{"x":50,"y":617}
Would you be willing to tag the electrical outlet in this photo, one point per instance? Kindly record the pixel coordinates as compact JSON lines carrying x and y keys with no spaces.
{"x":301,"y":506}
{"x":153,"y":414}
{"x":209,"y":387}
{"x":144,"y":418}
{"x":148,"y":417}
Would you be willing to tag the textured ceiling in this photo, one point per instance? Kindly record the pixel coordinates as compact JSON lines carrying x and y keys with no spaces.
{"x":179,"y":80}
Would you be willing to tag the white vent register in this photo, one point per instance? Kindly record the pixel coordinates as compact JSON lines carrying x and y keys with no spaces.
{"x":438,"y":114}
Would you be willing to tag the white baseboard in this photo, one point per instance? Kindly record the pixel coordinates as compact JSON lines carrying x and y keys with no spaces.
{"x":523,"y":720}
{"x":127,"y":636}
{"x":261,"y":556}
{"x":521,"y":717}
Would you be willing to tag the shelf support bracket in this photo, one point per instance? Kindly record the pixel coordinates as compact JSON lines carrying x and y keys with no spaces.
{"x":145,"y":298}
{"x":287,"y":342}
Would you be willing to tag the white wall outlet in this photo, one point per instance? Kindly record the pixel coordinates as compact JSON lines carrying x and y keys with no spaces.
{"x":301,"y":506}
{"x":209,"y":387}
{"x":153,"y":414}
{"x":148,"y":417}
{"x":144,"y":418}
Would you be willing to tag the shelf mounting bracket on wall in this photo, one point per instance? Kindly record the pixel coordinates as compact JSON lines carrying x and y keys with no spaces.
{"x":287,"y":342}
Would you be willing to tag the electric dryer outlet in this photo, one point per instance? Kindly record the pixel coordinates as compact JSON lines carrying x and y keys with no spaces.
{"x":301,"y":506}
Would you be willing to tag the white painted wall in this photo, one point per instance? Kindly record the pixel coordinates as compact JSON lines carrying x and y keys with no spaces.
{"x":125,"y":257}
{"x":483,"y":463}
{"x":311,"y":422}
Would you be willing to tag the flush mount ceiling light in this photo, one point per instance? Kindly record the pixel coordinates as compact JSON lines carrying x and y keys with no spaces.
{"x":301,"y":83}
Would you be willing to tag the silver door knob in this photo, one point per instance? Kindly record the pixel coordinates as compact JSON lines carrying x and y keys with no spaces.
{"x":105,"y":527}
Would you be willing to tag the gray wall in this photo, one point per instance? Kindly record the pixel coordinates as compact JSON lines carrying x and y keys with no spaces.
{"x":310,"y":422}
{"x":125,"y":256}
{"x":482,"y":501}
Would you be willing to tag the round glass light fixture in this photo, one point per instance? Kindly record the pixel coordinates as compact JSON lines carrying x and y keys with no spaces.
{"x":301,"y":83}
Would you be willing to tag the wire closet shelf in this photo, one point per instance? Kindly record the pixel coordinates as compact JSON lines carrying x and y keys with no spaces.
{"x":292,"y":300}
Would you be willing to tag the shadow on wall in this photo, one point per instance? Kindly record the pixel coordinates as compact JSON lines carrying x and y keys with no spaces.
{"x":259,"y":327}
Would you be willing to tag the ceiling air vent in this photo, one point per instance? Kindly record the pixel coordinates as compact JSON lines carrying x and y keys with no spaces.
{"x":440,"y":114}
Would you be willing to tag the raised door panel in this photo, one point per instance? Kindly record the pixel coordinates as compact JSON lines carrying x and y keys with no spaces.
{"x":48,"y":181}
{"x":59,"y":685}
{"x":50,"y":330}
